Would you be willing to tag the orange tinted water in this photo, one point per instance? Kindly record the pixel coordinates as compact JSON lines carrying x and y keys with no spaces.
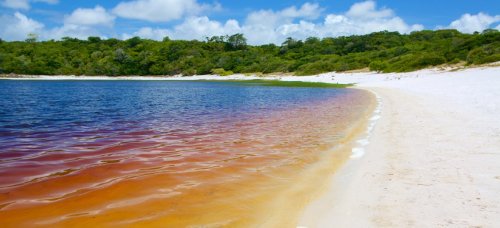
{"x":256,"y":171}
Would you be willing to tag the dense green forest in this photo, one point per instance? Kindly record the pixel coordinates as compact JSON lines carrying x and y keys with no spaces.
{"x":381,"y":51}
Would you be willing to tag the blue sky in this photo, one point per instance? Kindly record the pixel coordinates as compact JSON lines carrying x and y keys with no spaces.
{"x":262,"y":21}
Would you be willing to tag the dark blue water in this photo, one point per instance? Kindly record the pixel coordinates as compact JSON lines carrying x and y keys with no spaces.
{"x":35,"y":115}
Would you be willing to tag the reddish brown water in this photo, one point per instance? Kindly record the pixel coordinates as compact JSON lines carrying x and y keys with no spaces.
{"x":236,"y":172}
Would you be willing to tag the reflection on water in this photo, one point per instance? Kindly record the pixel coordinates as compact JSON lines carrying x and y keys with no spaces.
{"x":161,"y":153}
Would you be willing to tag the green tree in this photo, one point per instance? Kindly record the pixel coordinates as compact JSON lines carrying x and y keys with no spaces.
{"x":94,"y":39}
{"x":378,"y":66}
{"x":32,"y":38}
{"x":237,"y":41}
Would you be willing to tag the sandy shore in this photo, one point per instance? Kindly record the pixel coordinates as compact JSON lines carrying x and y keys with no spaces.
{"x":431,"y":157}
{"x":433,"y":160}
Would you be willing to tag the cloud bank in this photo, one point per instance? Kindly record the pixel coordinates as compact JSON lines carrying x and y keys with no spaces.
{"x":159,"y":10}
{"x":268,"y":26}
{"x":24,"y":4}
{"x":474,"y":23}
{"x":188,"y":19}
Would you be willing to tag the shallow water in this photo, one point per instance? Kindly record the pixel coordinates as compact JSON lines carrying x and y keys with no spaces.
{"x":151,"y":153}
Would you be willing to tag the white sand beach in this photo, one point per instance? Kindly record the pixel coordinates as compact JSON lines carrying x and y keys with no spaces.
{"x":433,"y":159}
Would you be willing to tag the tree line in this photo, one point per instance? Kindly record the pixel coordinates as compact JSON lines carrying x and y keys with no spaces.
{"x":380,"y":51}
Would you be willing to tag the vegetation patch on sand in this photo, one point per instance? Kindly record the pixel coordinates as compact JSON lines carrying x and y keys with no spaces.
{"x":277,"y":83}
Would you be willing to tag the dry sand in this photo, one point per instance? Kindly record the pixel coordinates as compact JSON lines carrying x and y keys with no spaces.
{"x":433,"y":160}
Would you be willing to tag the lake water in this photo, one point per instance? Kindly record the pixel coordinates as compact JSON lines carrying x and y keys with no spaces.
{"x":168,"y":154}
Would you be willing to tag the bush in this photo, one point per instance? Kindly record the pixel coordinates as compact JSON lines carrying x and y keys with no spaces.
{"x":189,"y":72}
{"x":378,"y":66}
{"x":221,"y":72}
{"x":484,"y":54}
{"x":428,"y":60}
{"x":413,"y":61}
{"x":314,"y":68}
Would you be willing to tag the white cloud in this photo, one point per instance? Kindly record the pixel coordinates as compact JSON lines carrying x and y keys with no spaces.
{"x":89,"y":17}
{"x":160,"y":10}
{"x":363,"y":18}
{"x":270,"y":18}
{"x":260,"y":26}
{"x":268,"y":26}
{"x":82,"y":23}
{"x":474,"y":23}
{"x":201,"y":27}
{"x":148,"y":33}
{"x":24,"y":4}
{"x":368,"y":10}
{"x":16,"y":4}
{"x":18,"y":26}
{"x":191,"y":28}
{"x":307,"y":10}
{"x":71,"y":30}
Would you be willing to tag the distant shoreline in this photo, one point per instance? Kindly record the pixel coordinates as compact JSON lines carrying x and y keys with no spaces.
{"x":253,"y":76}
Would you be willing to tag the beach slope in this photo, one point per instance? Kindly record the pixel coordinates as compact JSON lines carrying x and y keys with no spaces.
{"x":433,"y":158}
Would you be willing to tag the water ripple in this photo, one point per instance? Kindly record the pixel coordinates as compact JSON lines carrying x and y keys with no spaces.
{"x":74,"y":150}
